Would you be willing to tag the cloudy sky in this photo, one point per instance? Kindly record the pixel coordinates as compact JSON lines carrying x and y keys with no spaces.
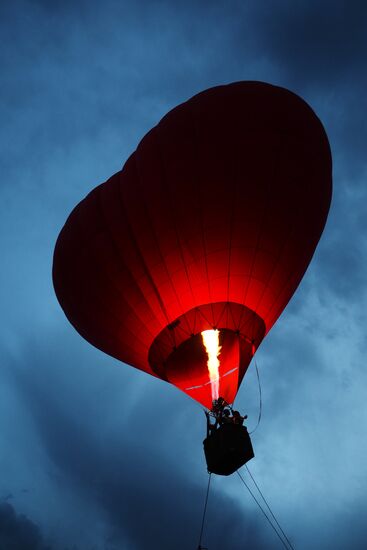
{"x":98,"y":456}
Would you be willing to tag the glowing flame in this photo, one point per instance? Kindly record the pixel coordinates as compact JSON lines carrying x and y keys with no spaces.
{"x":211,"y":343}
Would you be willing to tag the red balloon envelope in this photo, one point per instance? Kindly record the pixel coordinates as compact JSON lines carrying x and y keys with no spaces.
{"x":209,"y":226}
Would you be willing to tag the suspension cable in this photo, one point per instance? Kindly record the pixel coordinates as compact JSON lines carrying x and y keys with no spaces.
{"x":260,"y":398}
{"x":268,"y":507}
{"x":204,"y":513}
{"x":263,"y":511}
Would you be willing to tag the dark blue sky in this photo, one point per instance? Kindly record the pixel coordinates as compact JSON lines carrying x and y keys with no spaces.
{"x":98,"y":456}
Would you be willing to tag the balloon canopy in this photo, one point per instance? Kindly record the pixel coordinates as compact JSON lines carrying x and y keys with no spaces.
{"x":181,"y":263}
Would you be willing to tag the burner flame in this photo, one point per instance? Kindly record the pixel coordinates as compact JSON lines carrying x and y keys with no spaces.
{"x":211,"y":344}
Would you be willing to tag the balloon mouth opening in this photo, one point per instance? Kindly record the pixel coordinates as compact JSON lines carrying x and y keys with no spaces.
{"x":205,"y":359}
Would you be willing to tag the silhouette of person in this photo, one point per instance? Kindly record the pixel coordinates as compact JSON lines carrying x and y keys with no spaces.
{"x":238,"y":419}
{"x":226,"y":418}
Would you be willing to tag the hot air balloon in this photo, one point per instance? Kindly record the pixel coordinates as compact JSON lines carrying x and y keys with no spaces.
{"x":180,"y":264}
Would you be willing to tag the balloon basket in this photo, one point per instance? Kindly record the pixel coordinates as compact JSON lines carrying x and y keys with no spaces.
{"x":227,"y":449}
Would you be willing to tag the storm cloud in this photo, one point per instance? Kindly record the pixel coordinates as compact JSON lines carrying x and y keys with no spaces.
{"x":17,"y":532}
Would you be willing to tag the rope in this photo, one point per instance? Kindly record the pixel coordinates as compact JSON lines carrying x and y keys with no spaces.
{"x":268,"y":507}
{"x":203,"y":520}
{"x":260,"y":398}
{"x":265,"y":514}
